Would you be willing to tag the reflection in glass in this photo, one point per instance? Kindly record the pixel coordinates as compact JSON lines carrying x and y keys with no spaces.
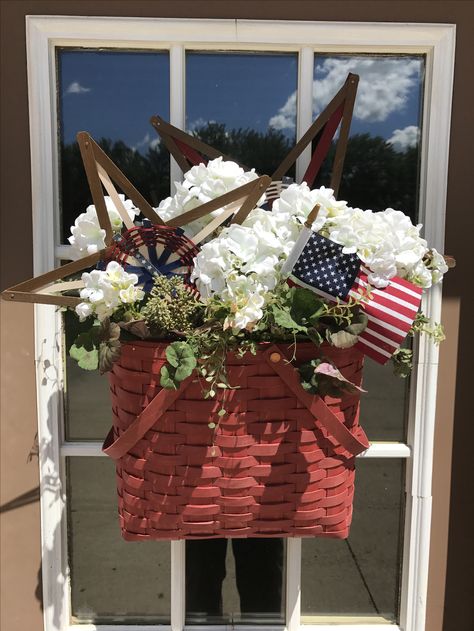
{"x":88,"y":411}
{"x":232,"y":102}
{"x":235,"y":581}
{"x":384,"y":407}
{"x":381,"y":169}
{"x":359,"y":577}
{"x":111,"y":94}
{"x":112,"y":581}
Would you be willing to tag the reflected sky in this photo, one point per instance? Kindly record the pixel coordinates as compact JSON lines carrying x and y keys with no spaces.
{"x":240,"y":90}
{"x":112,"y":94}
{"x":389,"y":95}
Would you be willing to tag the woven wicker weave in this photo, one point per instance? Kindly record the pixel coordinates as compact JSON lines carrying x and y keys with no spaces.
{"x":274,"y":467}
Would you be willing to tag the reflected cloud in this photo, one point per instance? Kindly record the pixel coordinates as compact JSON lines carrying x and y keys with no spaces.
{"x":198,"y":123}
{"x":146,"y":141}
{"x":406,"y":138}
{"x":76,"y":88}
{"x":385,"y":87}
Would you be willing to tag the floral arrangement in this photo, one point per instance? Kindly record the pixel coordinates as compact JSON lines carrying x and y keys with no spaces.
{"x":237,"y":296}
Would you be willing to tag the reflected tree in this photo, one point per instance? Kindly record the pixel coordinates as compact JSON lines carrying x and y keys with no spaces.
{"x":258,"y":150}
{"x":375,"y":175}
{"x":149,"y":172}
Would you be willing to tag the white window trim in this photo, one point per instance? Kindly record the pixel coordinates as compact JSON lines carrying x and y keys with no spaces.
{"x":44,"y":33}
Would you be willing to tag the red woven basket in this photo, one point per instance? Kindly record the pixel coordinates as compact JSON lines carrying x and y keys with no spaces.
{"x":279,"y":464}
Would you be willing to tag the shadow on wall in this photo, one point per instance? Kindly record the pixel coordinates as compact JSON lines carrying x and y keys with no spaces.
{"x":53,"y":494}
{"x":21,"y":501}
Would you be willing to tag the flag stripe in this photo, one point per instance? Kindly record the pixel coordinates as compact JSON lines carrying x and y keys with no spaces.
{"x":391,"y":333}
{"x":394,"y":305}
{"x":387,"y":345}
{"x":403,"y":285}
{"x":374,"y":307}
{"x":372,"y":352}
{"x":391,"y":293}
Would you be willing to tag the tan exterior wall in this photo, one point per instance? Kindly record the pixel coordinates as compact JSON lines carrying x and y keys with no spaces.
{"x":453,"y":473}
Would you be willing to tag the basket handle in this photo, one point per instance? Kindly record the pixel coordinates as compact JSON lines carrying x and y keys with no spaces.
{"x":160,"y":403}
{"x":354,"y":444}
{"x":143,"y":423}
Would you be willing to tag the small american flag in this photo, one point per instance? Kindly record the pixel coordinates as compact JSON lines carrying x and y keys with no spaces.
{"x":324,"y":268}
{"x":320,"y":265}
{"x":391,"y":312}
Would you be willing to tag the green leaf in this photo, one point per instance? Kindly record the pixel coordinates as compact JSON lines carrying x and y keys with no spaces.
{"x":89,"y":339}
{"x":358,"y":324}
{"x":109,"y":331}
{"x":342,"y":339}
{"x":184,"y":371}
{"x":222,"y":412}
{"x":315,"y":336}
{"x":167,"y":379}
{"x":87,"y":359}
{"x":181,"y":356}
{"x":284,"y":319}
{"x":109,"y":352}
{"x":305,"y":305}
{"x":402,"y":362}
{"x":211,"y":425}
{"x":172,"y":355}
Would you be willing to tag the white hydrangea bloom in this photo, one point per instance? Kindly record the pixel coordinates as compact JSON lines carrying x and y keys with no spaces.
{"x":245,"y":297}
{"x":298,"y":200}
{"x":201,"y":184}
{"x":106,"y":290}
{"x":87,"y":235}
{"x":436,"y":264}
{"x":387,"y":242}
{"x":242,"y":264}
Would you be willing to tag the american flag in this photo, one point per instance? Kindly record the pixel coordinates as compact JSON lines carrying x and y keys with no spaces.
{"x":320,"y":265}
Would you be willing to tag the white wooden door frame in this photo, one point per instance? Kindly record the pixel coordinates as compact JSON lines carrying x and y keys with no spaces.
{"x":44,"y":33}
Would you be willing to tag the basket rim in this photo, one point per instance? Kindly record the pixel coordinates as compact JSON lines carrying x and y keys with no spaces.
{"x":261,"y":347}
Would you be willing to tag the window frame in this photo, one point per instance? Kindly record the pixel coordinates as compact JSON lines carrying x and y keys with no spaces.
{"x":44,"y":34}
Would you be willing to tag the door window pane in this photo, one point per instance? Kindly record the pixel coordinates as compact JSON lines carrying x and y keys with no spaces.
{"x":112,"y":581}
{"x":232,"y":103}
{"x":112,"y":95}
{"x":88,"y":409}
{"x":230,"y":581}
{"x":384,"y":407}
{"x":358,"y":578}
{"x":381,"y":169}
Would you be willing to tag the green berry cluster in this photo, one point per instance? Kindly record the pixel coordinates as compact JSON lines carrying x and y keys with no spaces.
{"x":172,"y":307}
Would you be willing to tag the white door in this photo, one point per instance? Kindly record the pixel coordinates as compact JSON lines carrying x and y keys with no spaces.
{"x":250,"y":88}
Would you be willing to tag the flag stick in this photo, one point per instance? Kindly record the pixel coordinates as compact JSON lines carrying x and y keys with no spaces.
{"x":301,"y":241}
{"x":312,"y":216}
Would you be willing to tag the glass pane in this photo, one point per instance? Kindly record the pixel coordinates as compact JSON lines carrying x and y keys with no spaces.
{"x":232,"y":101}
{"x":112,"y":95}
{"x":381,"y":169}
{"x":88,"y":411}
{"x":112,"y":581}
{"x":235,"y":581}
{"x":384,"y":407}
{"x":358,"y":578}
